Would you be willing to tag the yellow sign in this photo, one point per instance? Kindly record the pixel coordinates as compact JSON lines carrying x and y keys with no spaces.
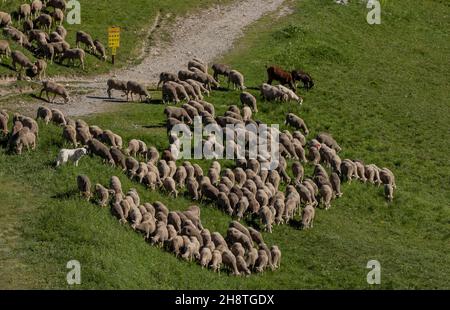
{"x":114,"y":38}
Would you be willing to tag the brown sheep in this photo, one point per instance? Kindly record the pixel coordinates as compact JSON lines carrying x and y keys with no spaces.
{"x":84,"y":186}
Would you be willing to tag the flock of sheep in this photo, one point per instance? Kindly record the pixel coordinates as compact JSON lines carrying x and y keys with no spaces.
{"x":249,"y":191}
{"x":182,"y":232}
{"x":37,"y":20}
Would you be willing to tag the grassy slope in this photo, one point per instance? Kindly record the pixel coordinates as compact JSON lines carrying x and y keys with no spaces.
{"x":133,"y":16}
{"x":382,"y":91}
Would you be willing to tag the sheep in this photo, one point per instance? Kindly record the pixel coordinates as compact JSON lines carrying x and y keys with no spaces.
{"x":23,"y":61}
{"x":198,"y":65}
{"x":132,"y":166}
{"x":308,"y":215}
{"x":290,"y":95}
{"x":193,"y":188}
{"x":220,"y":69}
{"x":389,"y":192}
{"x":242,"y":265}
{"x":348,"y":169}
{"x":229,"y":260}
{"x":3,"y":125}
{"x":267,"y":218}
{"x":36,"y":7}
{"x":276,"y":256}
{"x":100,"y":48}
{"x":271,"y":93}
{"x":249,"y":100}
{"x":195,"y":87}
{"x":169,"y":93}
{"x":161,"y":234}
{"x":336,"y":184}
{"x":139,"y":89}
{"x":56,"y":89}
{"x":24,"y":11}
{"x":165,"y":77}
{"x":74,"y":156}
{"x":58,"y":117}
{"x":133,"y":148}
{"x":237,"y":79}
{"x":116,"y":85}
{"x":329,"y":141}
{"x":41,"y":67}
{"x":216,"y":261}
{"x":180,"y":176}
{"x":5,"y":50}
{"x":57,"y":4}
{"x":102,"y":195}
{"x":101,"y":150}
{"x":24,"y":137}
{"x":199,"y":88}
{"x":305,"y":78}
{"x":262,"y":261}
{"x":205,"y":257}
{"x":178,"y":113}
{"x":84,"y":186}
{"x":70,"y":134}
{"x":387,"y":177}
{"x":86,"y":39}
{"x":58,"y":16}
{"x":61,"y":31}
{"x":209,"y":107}
{"x":83,"y":135}
{"x":5,"y":19}
{"x":45,"y":114}
{"x":234,"y":235}
{"x":326,"y":194}
{"x":74,"y":54}
{"x":296,"y":122}
{"x":180,"y":90}
{"x":44,"y":21}
{"x":170,"y":186}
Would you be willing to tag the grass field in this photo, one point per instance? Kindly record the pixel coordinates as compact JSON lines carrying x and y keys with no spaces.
{"x":382,"y":91}
{"x":133,"y":16}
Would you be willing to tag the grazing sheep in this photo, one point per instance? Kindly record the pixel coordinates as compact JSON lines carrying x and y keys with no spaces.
{"x":336,"y":184}
{"x":23,"y":62}
{"x":193,"y":188}
{"x":44,"y":21}
{"x":329,"y":141}
{"x":249,"y":100}
{"x":5,"y":19}
{"x":389,"y":192}
{"x":216,"y":261}
{"x":220,"y":69}
{"x":101,"y":150}
{"x":100,"y":48}
{"x":267,"y":218}
{"x":70,"y":135}
{"x":262,"y":261}
{"x":193,"y":64}
{"x":326,"y":194}
{"x":271,"y":93}
{"x":74,"y":54}
{"x":165,"y":77}
{"x":290,"y":95}
{"x":74,"y":156}
{"x":84,"y":186}
{"x":170,"y":186}
{"x":138,"y":89}
{"x":278,"y":74}
{"x":161,"y":234}
{"x":305,"y":78}
{"x":24,"y":11}
{"x":237,"y":79}
{"x":116,"y":85}
{"x":387,"y":177}
{"x":296,"y":122}
{"x":102,"y":195}
{"x":23,"y":137}
{"x":242,"y":265}
{"x":41,"y":67}
{"x":61,"y":31}
{"x":276,"y":256}
{"x":45,"y":114}
{"x":169,"y":93}
{"x":308,"y":217}
{"x":298,"y":171}
{"x":36,"y":7}
{"x":86,"y":39}
{"x":205,"y":257}
{"x":58,"y":16}
{"x":4,"y":49}
{"x":229,"y":260}
{"x":180,"y":90}
{"x":348,"y":169}
{"x":56,"y":89}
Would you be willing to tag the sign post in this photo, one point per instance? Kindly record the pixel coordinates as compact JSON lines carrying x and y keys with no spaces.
{"x":113,"y":41}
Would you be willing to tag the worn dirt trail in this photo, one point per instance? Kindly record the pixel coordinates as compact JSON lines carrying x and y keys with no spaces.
{"x":207,"y":34}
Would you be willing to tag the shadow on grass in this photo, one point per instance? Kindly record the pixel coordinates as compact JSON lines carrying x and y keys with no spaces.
{"x":66,"y":195}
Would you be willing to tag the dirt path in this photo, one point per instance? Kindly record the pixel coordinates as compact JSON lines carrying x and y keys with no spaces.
{"x":207,"y":35}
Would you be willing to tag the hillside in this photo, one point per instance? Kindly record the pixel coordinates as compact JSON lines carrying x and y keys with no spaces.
{"x":381,"y":91}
